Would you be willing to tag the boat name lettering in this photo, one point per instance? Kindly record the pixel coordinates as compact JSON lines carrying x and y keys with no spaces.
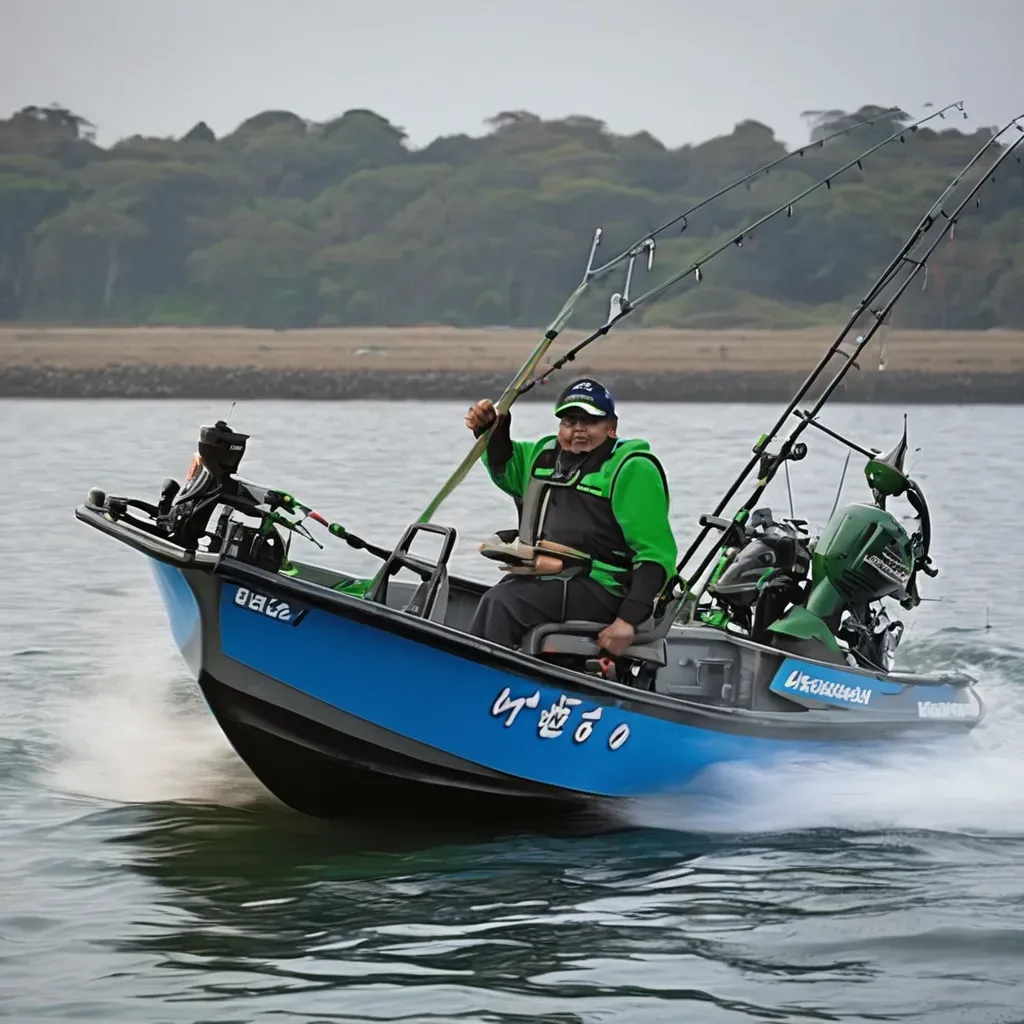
{"x":254,"y":601}
{"x":826,"y":688}
{"x":619,"y":736}
{"x":553,"y":720}
{"x":943,"y":709}
{"x":514,"y":705}
{"x":586,"y":727}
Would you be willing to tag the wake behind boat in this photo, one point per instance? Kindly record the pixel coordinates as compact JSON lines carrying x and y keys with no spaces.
{"x":346,"y":695}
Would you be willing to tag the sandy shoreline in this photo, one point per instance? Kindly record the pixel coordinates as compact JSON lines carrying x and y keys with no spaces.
{"x":438,"y":362}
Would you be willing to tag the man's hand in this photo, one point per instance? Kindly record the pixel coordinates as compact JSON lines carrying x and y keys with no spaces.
{"x":616,"y":638}
{"x":481,"y":416}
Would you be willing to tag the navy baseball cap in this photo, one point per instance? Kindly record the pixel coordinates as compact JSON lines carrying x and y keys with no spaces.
{"x":587,"y":395}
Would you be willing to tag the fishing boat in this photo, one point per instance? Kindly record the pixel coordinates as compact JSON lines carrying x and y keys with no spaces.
{"x":348,"y":695}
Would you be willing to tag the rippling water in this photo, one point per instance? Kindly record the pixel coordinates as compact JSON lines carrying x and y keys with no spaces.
{"x":144,"y":876}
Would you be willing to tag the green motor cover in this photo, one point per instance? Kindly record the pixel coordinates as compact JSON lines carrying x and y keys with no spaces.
{"x":862,"y":555}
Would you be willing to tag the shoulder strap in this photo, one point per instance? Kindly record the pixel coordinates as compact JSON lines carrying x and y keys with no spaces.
{"x":529,"y":514}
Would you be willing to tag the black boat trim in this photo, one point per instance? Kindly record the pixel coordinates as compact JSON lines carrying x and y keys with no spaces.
{"x":135,"y":537}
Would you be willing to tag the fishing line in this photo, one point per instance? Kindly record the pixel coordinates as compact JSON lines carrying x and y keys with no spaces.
{"x":936,"y":215}
{"x":626,"y":306}
{"x":745,"y":180}
{"x":620,"y":303}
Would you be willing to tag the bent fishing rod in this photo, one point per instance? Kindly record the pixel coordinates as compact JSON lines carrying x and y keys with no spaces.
{"x":522,"y":381}
{"x":904,"y":261}
{"x":622,"y":306}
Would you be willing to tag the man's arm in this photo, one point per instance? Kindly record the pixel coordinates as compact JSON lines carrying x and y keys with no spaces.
{"x":506,"y":460}
{"x":640,"y":504}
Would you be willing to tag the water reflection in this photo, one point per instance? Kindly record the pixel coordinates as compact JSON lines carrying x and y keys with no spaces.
{"x":262,"y":905}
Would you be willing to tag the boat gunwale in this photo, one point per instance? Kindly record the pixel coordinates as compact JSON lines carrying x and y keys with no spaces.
{"x":843,"y":723}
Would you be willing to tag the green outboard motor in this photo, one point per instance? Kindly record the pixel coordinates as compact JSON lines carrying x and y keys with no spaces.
{"x":862,"y":556}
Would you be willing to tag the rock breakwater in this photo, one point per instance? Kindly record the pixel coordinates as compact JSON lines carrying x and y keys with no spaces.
{"x":253,"y":383}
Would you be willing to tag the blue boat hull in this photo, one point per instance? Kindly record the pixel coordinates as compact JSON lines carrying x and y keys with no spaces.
{"x":341,"y":716}
{"x":345,"y":705}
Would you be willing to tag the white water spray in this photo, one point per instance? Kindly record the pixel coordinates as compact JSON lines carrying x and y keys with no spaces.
{"x":142,"y":734}
{"x":972,"y":784}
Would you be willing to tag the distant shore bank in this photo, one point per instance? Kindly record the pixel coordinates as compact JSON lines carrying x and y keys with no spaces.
{"x":446,"y":363}
{"x":216,"y":383}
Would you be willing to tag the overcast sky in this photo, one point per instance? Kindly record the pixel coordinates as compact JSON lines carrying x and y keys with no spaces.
{"x":684,"y":70}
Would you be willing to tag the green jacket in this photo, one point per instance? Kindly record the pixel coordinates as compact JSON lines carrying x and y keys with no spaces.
{"x":620,"y":510}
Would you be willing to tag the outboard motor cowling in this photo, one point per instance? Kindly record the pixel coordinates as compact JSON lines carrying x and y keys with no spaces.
{"x":765,"y":572}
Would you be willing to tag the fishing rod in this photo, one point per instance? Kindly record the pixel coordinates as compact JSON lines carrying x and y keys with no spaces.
{"x":644,"y":244}
{"x":936,"y":215}
{"x":282,"y":499}
{"x":647,"y":240}
{"x":511,"y":392}
{"x":624,"y":306}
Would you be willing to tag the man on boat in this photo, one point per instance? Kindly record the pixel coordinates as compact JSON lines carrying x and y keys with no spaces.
{"x":592,"y":492}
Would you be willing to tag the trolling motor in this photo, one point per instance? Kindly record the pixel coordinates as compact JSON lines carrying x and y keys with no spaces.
{"x":184,"y":512}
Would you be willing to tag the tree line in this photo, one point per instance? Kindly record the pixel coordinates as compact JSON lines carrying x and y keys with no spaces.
{"x":288,"y":223}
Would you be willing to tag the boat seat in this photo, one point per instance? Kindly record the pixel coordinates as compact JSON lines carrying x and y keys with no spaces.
{"x":578,"y":637}
{"x":439,"y":607}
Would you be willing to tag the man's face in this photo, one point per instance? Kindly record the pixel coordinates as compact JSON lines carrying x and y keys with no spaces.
{"x":578,"y":432}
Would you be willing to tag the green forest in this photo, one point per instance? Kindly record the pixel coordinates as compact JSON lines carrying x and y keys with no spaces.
{"x":288,"y":223}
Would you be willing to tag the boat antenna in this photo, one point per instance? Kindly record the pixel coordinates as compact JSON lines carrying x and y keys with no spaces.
{"x":839,"y":489}
{"x":620,"y":303}
{"x":789,"y":488}
{"x":937,"y":217}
